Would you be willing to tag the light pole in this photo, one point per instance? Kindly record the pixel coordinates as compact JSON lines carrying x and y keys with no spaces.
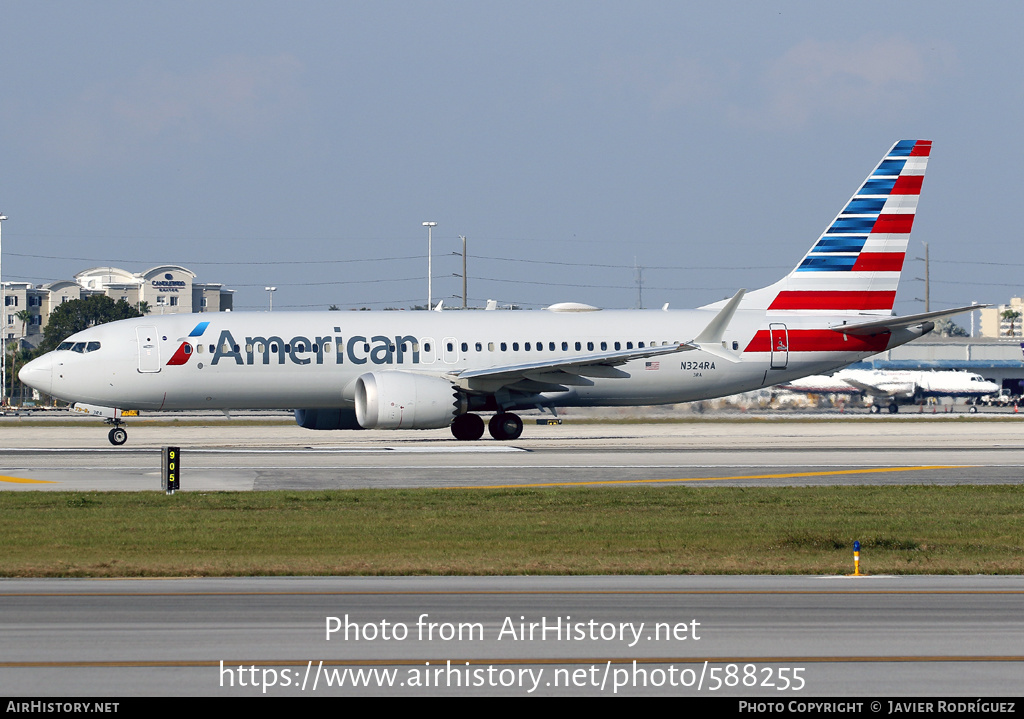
{"x":3,"y":328}
{"x":271,"y":290}
{"x":430,"y":266}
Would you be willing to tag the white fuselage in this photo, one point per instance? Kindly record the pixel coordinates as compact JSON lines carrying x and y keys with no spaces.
{"x":311,"y":360}
{"x":897,"y":383}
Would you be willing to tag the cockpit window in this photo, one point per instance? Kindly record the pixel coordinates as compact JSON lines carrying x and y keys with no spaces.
{"x":80,"y":347}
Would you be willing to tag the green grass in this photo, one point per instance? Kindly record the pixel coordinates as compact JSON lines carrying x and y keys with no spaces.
{"x":654,"y":530}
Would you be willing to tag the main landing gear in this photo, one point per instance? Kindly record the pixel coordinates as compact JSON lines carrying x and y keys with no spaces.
{"x":503,"y":426}
{"x":893,"y":408}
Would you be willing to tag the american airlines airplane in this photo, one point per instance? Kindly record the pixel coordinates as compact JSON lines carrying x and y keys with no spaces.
{"x":431,"y":370}
{"x":896,"y":386}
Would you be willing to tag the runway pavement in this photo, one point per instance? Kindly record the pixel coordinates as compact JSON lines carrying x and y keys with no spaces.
{"x":780,"y":638}
{"x":784,"y":452}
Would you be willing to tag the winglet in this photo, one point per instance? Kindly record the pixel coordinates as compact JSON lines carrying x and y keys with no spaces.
{"x":715,"y":330}
{"x":710,"y":338}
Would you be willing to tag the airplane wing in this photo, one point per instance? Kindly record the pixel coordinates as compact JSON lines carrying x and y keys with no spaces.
{"x":888,"y":324}
{"x":552,"y":375}
{"x":868,"y":389}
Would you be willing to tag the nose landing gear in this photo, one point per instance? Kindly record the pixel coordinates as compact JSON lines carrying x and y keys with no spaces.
{"x":117,"y":435}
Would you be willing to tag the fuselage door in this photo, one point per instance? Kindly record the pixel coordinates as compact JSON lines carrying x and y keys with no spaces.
{"x":780,"y":345}
{"x":450,"y":350}
{"x":427,"y":350}
{"x":149,"y":349}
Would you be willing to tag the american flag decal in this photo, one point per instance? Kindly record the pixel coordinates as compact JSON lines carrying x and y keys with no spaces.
{"x":652,"y":365}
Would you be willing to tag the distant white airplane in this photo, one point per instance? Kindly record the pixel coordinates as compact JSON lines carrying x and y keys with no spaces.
{"x":427,"y":370}
{"x":895,"y":387}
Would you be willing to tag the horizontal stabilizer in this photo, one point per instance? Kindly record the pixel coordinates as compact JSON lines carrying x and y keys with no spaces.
{"x":889,"y":324}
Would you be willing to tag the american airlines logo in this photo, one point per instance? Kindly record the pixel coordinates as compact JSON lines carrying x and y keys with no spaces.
{"x":301,"y":350}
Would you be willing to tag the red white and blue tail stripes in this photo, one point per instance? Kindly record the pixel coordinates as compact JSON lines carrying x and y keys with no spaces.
{"x":855,"y":265}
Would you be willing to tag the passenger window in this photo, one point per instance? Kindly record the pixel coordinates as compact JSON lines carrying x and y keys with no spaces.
{"x":199,"y":349}
{"x":551,"y":346}
{"x":287,"y":347}
{"x":565,"y":346}
{"x":465,"y":347}
{"x":590,"y":346}
{"x":515,"y":346}
{"x":618,"y":346}
{"x":426,"y":346}
{"x":504,"y":347}
{"x":527,"y":346}
{"x":640,"y":345}
{"x":490,"y":346}
{"x":578,"y":346}
{"x":366,"y":346}
{"x":450,"y":347}
{"x":629,"y":345}
{"x":735,"y":345}
{"x":479,"y":347}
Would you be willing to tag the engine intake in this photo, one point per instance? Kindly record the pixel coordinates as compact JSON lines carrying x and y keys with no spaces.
{"x":405,"y":400}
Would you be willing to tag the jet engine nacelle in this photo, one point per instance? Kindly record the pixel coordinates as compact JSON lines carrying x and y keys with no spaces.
{"x":327,"y":418}
{"x":406,"y":400}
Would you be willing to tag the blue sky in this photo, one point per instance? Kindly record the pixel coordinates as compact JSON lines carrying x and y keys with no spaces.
{"x":302,"y":144}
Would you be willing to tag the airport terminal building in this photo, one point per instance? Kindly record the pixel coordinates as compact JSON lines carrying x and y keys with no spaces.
{"x":166,"y":289}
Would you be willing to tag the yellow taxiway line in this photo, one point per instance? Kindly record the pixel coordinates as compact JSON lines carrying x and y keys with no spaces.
{"x":787,"y":475}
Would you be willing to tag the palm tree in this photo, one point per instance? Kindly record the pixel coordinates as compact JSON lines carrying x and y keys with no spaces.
{"x":25,"y":316}
{"x":144,"y":307}
{"x":1010,"y":316}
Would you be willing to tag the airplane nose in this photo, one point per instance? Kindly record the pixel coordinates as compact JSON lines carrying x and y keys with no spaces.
{"x":38,"y":374}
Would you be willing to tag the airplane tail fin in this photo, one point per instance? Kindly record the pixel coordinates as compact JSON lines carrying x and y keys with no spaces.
{"x":855,"y":265}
